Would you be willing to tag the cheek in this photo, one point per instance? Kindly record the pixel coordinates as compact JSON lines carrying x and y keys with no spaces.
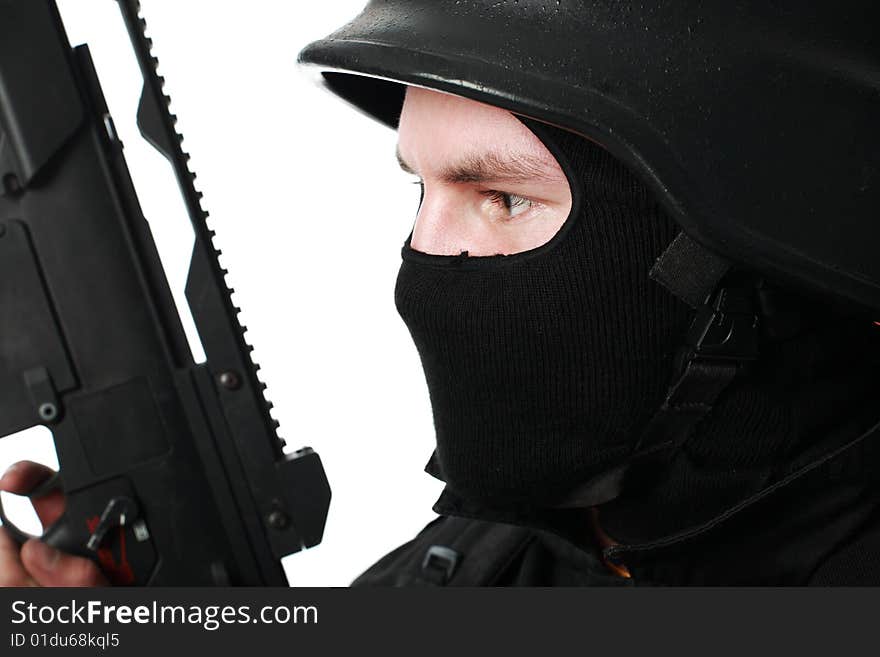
{"x":538,"y":230}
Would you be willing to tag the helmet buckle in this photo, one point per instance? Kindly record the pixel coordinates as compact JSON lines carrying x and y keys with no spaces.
{"x":726,"y":327}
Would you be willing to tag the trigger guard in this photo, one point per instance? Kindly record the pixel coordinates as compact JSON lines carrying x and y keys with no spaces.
{"x":54,"y":531}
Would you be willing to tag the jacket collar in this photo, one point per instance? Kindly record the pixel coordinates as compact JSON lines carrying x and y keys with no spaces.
{"x":574,"y":523}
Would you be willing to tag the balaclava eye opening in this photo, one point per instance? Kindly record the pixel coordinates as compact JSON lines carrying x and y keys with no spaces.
{"x":543,"y":366}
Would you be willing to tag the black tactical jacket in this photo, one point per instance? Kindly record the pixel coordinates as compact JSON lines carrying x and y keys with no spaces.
{"x":818,"y":523}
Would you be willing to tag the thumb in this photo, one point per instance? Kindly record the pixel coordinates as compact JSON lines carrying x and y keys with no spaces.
{"x":51,"y":567}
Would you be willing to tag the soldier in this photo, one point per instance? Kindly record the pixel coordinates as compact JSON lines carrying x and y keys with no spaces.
{"x":665,"y":375}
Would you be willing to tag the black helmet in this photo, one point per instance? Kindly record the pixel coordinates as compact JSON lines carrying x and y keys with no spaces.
{"x":756,"y":124}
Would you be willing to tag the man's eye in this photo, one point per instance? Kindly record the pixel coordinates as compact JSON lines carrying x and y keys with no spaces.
{"x":515,"y":205}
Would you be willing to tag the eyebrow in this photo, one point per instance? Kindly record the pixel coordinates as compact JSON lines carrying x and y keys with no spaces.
{"x":491,"y":167}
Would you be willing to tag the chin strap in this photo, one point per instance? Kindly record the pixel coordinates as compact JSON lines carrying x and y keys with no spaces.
{"x":721,"y":342}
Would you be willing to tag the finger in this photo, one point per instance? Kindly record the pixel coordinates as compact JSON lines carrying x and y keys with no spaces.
{"x":12,"y":571}
{"x":49,"y":507}
{"x":51,"y":567}
{"x":23,"y":477}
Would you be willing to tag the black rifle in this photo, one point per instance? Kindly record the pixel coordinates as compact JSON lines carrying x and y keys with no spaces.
{"x":173,"y":472}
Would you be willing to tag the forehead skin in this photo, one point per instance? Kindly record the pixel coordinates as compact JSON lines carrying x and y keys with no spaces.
{"x":441,"y":134}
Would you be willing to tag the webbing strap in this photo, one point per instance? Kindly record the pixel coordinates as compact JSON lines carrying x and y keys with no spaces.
{"x":689,"y":400}
{"x":464,"y":552}
{"x":722,"y":339}
{"x":688,"y":270}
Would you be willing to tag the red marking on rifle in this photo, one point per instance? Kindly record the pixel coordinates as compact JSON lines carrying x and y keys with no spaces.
{"x":119,"y":572}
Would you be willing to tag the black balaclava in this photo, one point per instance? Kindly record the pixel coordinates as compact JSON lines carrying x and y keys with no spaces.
{"x":543,"y":366}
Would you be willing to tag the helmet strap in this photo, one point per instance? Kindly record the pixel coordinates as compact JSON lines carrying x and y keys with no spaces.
{"x":721,"y":342}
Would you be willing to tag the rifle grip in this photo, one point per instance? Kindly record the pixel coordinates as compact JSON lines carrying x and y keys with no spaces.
{"x":135,"y":560}
{"x":53,"y":535}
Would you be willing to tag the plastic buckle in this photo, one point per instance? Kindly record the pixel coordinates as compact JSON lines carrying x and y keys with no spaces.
{"x":440,"y":563}
{"x":726,"y":327}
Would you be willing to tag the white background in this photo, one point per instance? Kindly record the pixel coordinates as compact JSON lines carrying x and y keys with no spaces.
{"x":310,"y":211}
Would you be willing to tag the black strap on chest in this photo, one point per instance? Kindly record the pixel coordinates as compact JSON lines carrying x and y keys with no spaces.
{"x":451,"y":551}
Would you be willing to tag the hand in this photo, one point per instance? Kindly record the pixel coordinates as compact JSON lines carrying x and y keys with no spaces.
{"x":35,"y":563}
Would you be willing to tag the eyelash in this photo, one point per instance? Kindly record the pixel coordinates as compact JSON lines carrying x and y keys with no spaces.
{"x":499,"y":198}
{"x":504,"y":200}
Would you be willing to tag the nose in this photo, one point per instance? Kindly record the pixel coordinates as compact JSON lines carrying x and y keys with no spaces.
{"x":437,"y":230}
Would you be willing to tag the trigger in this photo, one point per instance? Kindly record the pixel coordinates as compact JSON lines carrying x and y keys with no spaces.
{"x":119,"y":512}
